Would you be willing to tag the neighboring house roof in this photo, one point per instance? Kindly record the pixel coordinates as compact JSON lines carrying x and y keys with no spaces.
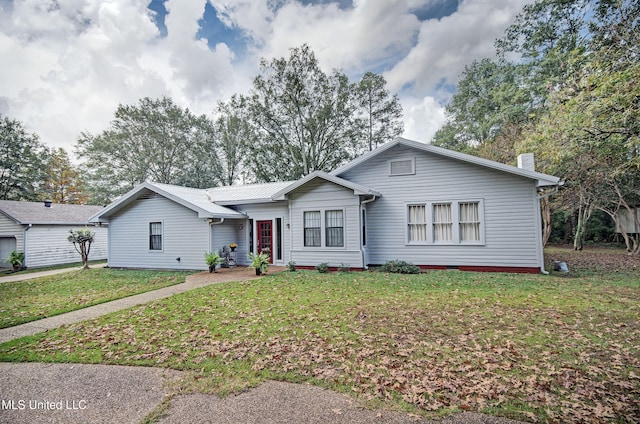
{"x":542,"y":179}
{"x":357,"y":188}
{"x":57,"y":214}
{"x":191,"y":198}
{"x":252,"y":193}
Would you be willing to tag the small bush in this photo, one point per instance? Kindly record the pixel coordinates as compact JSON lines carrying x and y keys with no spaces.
{"x":322,"y":268}
{"x":399,"y":267}
{"x":344,"y":267}
{"x":291,"y":266}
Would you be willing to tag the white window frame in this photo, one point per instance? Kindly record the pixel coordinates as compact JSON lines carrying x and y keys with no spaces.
{"x":413,"y":166}
{"x":304,"y":228}
{"x":162,"y":232}
{"x":323,"y":229}
{"x":455,"y":218}
{"x":326,"y":227}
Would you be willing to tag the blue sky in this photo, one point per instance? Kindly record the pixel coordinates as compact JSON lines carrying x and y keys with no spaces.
{"x":68,"y":64}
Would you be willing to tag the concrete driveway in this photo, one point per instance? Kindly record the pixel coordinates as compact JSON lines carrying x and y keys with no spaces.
{"x":77,"y":393}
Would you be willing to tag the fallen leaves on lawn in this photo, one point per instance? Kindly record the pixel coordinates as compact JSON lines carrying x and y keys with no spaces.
{"x":435,"y":348}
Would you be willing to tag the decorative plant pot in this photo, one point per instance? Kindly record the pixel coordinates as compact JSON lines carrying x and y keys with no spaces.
{"x":233,"y":249}
{"x":258,"y":271}
{"x":212,"y":268}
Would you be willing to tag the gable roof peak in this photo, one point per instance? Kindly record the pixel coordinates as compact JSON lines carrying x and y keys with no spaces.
{"x":541,"y":179}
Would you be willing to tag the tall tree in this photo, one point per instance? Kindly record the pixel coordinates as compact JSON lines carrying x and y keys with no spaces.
{"x":380,"y":112}
{"x":591,"y":134}
{"x":234,"y":135}
{"x":23,"y":161}
{"x":63,"y":183}
{"x":154,"y":139}
{"x":489,"y":98}
{"x":303,"y":116}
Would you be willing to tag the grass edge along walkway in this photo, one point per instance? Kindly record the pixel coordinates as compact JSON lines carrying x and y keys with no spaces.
{"x":192,"y":281}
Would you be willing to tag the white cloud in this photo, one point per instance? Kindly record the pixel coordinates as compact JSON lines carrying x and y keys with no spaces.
{"x":422,"y":118}
{"x":67,"y":64}
{"x":445,"y":46}
{"x":369,"y":33}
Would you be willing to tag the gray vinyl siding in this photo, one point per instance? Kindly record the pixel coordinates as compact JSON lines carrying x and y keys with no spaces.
{"x":510,"y":208}
{"x":184,"y":236}
{"x":230,"y":231}
{"x":321,"y":195}
{"x":265,"y":212}
{"x":47,"y":245}
{"x":11,"y":238}
{"x":9,"y":228}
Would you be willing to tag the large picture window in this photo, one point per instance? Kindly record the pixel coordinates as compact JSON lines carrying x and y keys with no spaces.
{"x":312,"y":229}
{"x":334,"y":223}
{"x":155,"y":236}
{"x":450,"y":222}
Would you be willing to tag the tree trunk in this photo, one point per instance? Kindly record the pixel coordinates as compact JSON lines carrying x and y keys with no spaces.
{"x":545,"y":207}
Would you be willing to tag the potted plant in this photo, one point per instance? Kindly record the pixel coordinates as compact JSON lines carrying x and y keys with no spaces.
{"x":212,"y":259}
{"x":260,"y":262}
{"x":16,"y":259}
{"x":233,"y":246}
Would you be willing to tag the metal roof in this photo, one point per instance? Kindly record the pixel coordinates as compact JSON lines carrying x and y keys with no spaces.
{"x":251,"y":193}
{"x":57,"y":214}
{"x":191,"y":198}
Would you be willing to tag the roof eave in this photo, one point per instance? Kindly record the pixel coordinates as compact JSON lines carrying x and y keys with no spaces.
{"x":358,"y":190}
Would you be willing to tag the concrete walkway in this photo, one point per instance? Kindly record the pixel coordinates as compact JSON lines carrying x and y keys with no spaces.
{"x":32,"y":275}
{"x":194,"y":281}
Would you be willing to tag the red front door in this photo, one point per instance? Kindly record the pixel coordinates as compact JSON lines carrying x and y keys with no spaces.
{"x":265,"y":238}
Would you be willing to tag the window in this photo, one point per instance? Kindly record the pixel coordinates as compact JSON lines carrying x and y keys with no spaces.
{"x":469,"y":221}
{"x":402,"y":167}
{"x":442,"y":222}
{"x":334,"y":228}
{"x":417,"y":223}
{"x":155,"y":236}
{"x":312,"y":229}
{"x":451,"y":222}
{"x":279,"y":238}
{"x":364,"y":227}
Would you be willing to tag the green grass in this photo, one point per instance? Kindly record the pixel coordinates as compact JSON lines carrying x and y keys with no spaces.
{"x":530,"y":347}
{"x":30,"y":300}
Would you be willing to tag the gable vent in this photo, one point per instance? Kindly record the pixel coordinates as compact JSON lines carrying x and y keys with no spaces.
{"x":149,"y":195}
{"x":402,"y":167}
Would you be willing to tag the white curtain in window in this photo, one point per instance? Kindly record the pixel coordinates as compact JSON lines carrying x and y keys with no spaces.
{"x":442,"y":222}
{"x":417,"y":223}
{"x":469,"y":221}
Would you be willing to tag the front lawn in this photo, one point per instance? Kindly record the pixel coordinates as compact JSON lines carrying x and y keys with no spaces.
{"x":30,"y":300}
{"x":530,"y":347}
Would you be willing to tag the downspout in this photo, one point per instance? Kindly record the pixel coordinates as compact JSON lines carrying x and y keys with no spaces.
{"x":212,"y":223}
{"x":24,"y":245}
{"x":362,"y":253}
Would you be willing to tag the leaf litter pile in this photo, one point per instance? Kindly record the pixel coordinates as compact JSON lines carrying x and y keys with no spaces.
{"x":532,"y":348}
